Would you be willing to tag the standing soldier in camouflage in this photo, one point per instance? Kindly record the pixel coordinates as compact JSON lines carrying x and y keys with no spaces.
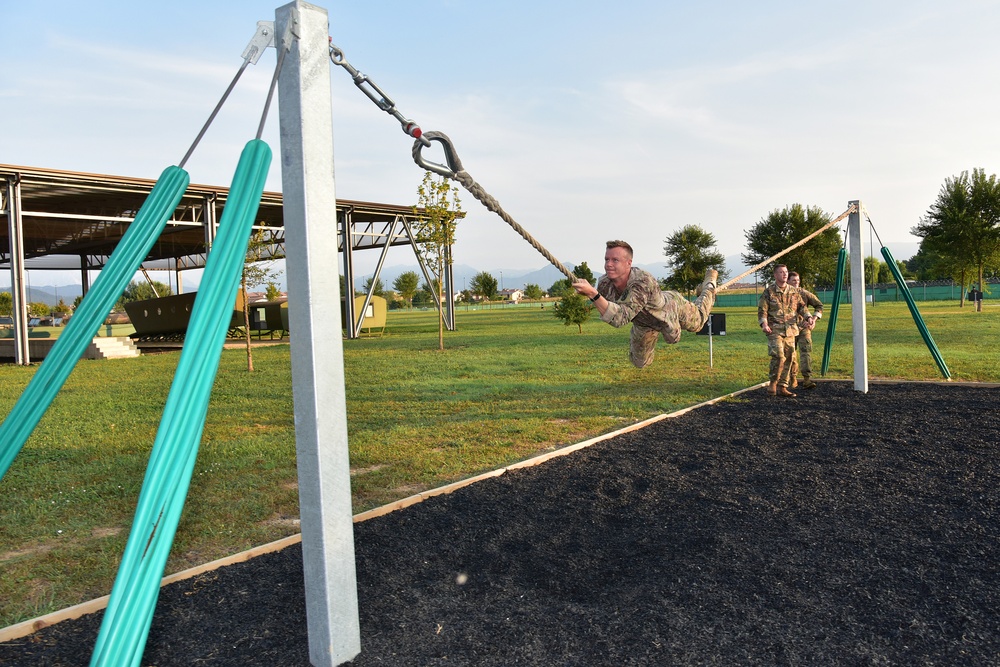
{"x":778,"y":311}
{"x":628,"y":294}
{"x":804,"y":342}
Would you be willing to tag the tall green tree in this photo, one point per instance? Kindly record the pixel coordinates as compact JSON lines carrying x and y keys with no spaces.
{"x":406,"y":285}
{"x":815,"y":261}
{"x":6,"y":304}
{"x":379,"y":287}
{"x":533,"y":291}
{"x":484,"y":285}
{"x":141,"y":290}
{"x":925,"y":265}
{"x":690,"y":252}
{"x":962,"y":227}
{"x":581,"y":271}
{"x":438,"y":211}
{"x":39,"y":309}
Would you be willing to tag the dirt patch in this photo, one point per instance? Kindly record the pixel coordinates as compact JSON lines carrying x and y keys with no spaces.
{"x":837,"y":529}
{"x":100,"y":533}
{"x":282,"y":521}
{"x":27,"y":551}
{"x":364,"y":471}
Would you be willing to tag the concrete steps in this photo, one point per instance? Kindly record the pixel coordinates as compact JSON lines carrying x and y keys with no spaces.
{"x":119,"y":347}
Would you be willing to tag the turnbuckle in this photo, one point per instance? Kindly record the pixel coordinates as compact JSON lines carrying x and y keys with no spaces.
{"x":376,"y":94}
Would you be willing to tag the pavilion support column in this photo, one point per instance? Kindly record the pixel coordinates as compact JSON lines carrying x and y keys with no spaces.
{"x":15,"y":231}
{"x":347,"y":243}
{"x":310,"y":216}
{"x":84,"y":275}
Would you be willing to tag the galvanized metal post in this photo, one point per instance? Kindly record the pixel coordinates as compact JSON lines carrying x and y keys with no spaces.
{"x":858,"y":302}
{"x":314,"y":318}
{"x":15,"y":231}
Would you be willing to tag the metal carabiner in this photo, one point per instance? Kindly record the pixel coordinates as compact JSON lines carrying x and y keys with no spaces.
{"x":451,"y":157}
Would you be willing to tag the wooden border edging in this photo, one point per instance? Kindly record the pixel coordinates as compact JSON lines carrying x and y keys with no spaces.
{"x":33,"y":625}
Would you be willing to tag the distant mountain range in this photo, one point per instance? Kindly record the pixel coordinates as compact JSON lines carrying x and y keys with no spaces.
{"x":51,"y":294}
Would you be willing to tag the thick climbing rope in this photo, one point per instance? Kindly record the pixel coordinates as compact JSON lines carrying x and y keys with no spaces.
{"x":454,"y":169}
{"x":851,"y":209}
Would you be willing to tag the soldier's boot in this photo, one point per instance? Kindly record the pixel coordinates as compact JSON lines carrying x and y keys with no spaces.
{"x":711,"y":281}
{"x":783,"y":391}
{"x":772,"y":388}
{"x":794,"y":384}
{"x":807,"y":383}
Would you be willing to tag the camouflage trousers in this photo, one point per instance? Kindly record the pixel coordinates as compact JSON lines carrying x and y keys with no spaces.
{"x":681,"y":314}
{"x":781,"y":349}
{"x":803,"y":360}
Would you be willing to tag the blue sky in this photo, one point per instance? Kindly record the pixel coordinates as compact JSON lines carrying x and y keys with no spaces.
{"x":587,"y":121}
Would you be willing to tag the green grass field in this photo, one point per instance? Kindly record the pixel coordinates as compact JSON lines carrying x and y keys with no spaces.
{"x":512,"y":383}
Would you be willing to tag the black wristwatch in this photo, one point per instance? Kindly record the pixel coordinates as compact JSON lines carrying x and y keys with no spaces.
{"x":595,"y":298}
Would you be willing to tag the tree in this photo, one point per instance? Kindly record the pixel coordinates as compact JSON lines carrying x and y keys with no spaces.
{"x":559,"y":287}
{"x":533,"y":291}
{"x":435,"y":231}
{"x":257,"y":270}
{"x":142,"y":291}
{"x":581,"y":271}
{"x":925,"y":265}
{"x":962,"y":227}
{"x":273,"y":293}
{"x":484,"y":285}
{"x":875,"y":270}
{"x":573,"y":308}
{"x":61,"y":307}
{"x":6,"y":304}
{"x":379,"y":287}
{"x":406,"y":285}
{"x":815,"y":261}
{"x":39,"y":309}
{"x":689,"y":254}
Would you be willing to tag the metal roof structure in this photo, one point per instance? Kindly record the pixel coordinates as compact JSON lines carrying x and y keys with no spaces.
{"x":66,"y":220}
{"x":73,"y":220}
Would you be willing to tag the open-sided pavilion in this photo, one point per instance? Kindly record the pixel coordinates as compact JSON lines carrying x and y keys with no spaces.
{"x":72,"y":221}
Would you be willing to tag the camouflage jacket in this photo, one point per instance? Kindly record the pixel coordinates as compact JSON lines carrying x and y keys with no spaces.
{"x":812,"y":301}
{"x":641,"y":302}
{"x":781,"y":308}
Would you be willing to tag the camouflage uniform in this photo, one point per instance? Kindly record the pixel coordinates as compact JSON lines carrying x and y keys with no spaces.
{"x":652,"y":312}
{"x":803,"y":341}
{"x":781,"y":309}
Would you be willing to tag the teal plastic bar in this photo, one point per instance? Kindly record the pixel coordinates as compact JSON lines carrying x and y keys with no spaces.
{"x":831,"y":328}
{"x":915,"y":312}
{"x":112,"y":281}
{"x":125,"y":627}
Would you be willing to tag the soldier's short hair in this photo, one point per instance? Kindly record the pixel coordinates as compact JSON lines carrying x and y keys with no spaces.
{"x":793,"y":274}
{"x":620,"y":244}
{"x":778,"y":266}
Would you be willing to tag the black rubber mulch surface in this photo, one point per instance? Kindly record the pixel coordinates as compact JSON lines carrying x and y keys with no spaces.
{"x":839,"y":528}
